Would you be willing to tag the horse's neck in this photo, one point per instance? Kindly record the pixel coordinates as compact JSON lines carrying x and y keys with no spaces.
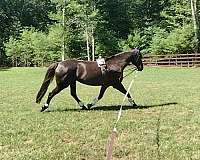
{"x":121,"y":62}
{"x":124,"y":65}
{"x":124,"y":61}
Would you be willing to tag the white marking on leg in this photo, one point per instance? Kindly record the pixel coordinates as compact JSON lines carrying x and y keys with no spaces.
{"x":46,"y":105}
{"x":94,"y":101}
{"x":81,"y":104}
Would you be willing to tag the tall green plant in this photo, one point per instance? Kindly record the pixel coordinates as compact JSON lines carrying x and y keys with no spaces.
{"x":180,"y":40}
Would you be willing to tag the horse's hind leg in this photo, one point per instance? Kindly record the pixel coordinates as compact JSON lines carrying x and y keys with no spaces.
{"x":51,"y":95}
{"x":74,"y":95}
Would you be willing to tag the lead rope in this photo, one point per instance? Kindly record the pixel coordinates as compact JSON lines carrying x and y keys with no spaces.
{"x":132,"y":70}
{"x":112,"y":137}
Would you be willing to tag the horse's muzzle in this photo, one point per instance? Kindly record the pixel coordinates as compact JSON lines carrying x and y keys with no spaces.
{"x":140,"y":67}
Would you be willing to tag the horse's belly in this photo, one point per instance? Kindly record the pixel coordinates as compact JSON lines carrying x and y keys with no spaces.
{"x":92,"y":81}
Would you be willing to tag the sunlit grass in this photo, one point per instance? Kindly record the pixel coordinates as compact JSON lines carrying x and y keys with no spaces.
{"x":166,"y":125}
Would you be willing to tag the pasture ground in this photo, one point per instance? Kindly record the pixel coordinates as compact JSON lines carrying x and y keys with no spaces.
{"x":165,"y":126}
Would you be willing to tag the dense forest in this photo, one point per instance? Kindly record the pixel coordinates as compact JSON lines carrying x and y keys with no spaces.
{"x":38,"y":32}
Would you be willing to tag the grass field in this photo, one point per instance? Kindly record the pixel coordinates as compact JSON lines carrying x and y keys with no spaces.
{"x":165,"y":126}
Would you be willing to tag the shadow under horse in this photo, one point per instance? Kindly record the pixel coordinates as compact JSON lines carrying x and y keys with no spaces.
{"x":88,"y":72}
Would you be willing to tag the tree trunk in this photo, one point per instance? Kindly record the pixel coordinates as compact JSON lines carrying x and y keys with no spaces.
{"x":93,"y":47}
{"x":13,"y":61}
{"x":42,"y":61}
{"x":195,"y":23}
{"x":87,"y":43}
{"x":63,"y":53}
{"x":25,"y":62}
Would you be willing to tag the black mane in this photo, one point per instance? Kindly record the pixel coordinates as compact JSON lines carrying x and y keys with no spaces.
{"x":117,"y":55}
{"x":133,"y":52}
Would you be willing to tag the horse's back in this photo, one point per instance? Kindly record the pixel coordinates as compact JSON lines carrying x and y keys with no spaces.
{"x":88,"y":72}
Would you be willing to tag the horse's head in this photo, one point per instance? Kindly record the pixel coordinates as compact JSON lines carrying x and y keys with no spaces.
{"x":136,"y":59}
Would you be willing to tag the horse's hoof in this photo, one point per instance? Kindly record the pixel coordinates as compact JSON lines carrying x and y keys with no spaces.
{"x":82,"y":105}
{"x":84,"y":108}
{"x":43,"y":108}
{"x":132,"y":103}
{"x":135,"y":105}
{"x":37,"y":101}
{"x":89,"y":106}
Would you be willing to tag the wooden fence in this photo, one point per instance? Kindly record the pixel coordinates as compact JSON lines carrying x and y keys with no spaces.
{"x":175,"y":60}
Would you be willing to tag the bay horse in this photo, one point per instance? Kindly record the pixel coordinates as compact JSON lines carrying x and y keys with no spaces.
{"x":87,"y":72}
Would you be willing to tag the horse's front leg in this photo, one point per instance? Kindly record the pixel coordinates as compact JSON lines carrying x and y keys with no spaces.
{"x":120,"y":87}
{"x":96,"y":99}
{"x":74,"y":95}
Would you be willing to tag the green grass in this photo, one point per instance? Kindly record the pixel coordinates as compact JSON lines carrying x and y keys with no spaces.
{"x":166,"y":126}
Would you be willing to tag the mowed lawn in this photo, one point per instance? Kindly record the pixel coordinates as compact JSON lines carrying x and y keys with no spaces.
{"x":165,"y":126}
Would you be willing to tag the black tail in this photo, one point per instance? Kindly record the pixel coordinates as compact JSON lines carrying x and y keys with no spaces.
{"x":47,"y":80}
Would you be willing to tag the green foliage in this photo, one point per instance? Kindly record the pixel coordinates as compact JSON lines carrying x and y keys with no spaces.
{"x":177,"y":14}
{"x":134,"y":40}
{"x":15,"y":15}
{"x":158,"y":45}
{"x":34,"y":47}
{"x":180,"y":40}
{"x":13,"y":50}
{"x":107,"y":43}
{"x":54,"y":39}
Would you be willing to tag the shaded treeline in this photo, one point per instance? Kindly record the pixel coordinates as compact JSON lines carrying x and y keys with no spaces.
{"x":31,"y":31}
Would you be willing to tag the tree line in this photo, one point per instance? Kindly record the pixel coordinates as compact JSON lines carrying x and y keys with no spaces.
{"x":38,"y":32}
